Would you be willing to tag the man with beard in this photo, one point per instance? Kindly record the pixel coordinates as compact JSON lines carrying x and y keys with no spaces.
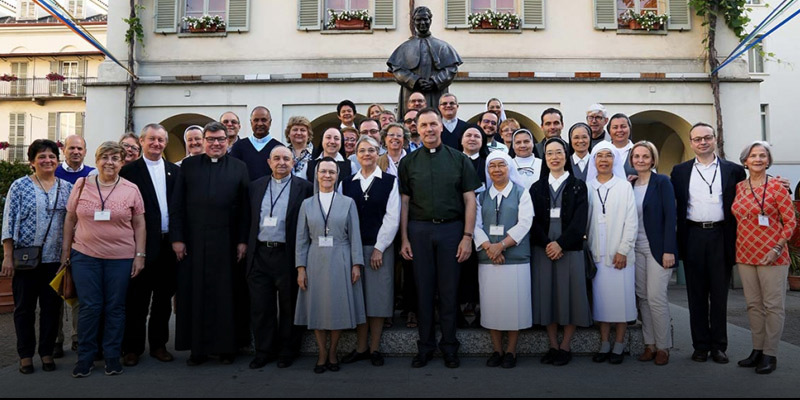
{"x":410,"y":122}
{"x":552,"y":124}
{"x":255,"y":150}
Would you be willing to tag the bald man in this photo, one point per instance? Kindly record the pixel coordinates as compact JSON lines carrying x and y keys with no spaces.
{"x":72,"y":167}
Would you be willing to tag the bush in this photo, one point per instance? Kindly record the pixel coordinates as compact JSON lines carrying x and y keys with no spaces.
{"x":9,"y":172}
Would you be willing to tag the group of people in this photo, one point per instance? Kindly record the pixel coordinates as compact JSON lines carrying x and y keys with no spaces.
{"x":258,"y":239}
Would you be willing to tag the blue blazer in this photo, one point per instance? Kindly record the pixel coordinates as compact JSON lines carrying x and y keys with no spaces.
{"x":660,"y":217}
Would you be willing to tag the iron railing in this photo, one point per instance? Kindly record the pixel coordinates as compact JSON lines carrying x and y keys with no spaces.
{"x":31,"y":88}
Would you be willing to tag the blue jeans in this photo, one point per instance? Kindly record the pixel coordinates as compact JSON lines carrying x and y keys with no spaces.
{"x":102,"y":288}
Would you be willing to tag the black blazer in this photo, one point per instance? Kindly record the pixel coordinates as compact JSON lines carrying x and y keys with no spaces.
{"x":731,"y":174}
{"x":659,"y":217}
{"x":453,"y":139}
{"x":137,"y":173}
{"x":299,"y":190}
{"x":574,"y":214}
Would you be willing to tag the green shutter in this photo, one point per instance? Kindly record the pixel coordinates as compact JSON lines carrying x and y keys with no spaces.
{"x":309,"y":17}
{"x":457,"y":11}
{"x":680,"y":17}
{"x":384,"y":15}
{"x":605,"y":14}
{"x":166,"y":16}
{"x":533,"y":14}
{"x":52,"y":125}
{"x":238,"y":16}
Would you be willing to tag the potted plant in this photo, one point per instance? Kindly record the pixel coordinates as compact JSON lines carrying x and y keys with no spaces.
{"x":349,"y":20}
{"x":494,"y":20}
{"x":8,"y":78}
{"x":647,"y":20}
{"x":55,"y":76}
{"x":205,"y":24}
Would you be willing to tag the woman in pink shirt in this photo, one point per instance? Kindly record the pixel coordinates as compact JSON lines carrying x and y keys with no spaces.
{"x":104,"y":239}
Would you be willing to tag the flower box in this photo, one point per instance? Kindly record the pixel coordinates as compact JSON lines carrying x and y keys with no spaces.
{"x":492,"y":20}
{"x":647,"y":21}
{"x":205,"y":24}
{"x":8,"y":78}
{"x":352,"y":24}
{"x":55,"y":77}
{"x":208,"y":29}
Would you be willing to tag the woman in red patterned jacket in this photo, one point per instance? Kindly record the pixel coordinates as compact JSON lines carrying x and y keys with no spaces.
{"x":765,"y":216}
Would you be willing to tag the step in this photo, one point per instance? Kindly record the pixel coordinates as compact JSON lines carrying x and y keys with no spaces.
{"x":402,"y":341}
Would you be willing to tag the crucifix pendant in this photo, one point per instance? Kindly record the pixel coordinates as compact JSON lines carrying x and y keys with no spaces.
{"x":366,"y":197}
{"x":327,"y":231}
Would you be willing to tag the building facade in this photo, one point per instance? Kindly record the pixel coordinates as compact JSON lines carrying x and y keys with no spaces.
{"x":287,"y":56}
{"x":44,"y":69}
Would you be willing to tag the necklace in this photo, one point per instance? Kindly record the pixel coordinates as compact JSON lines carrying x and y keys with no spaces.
{"x":108,"y":184}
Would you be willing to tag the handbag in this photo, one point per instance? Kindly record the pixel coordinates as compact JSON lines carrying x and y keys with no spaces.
{"x":28,"y":258}
{"x":64,"y":285}
{"x":591,"y":268}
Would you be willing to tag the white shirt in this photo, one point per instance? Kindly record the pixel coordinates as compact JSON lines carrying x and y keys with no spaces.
{"x":524,"y":216}
{"x":391,"y":220}
{"x":497,"y":146}
{"x":326,"y":199}
{"x":556,"y":183}
{"x":392,"y":169}
{"x":157,"y":172}
{"x":580,"y":162}
{"x":67,"y":168}
{"x":529,"y":169}
{"x":705,"y":207}
{"x":450,"y":124}
{"x":624,"y":151}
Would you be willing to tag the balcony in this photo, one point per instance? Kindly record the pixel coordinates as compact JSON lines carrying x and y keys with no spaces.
{"x":42,"y":89}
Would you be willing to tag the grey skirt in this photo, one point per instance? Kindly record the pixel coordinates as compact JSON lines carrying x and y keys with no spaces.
{"x":378,"y":284}
{"x":559,"y":289}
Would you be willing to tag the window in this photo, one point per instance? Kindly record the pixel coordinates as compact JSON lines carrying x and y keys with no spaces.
{"x":504,"y":6}
{"x":27,"y":10}
{"x":20,"y":86}
{"x":765,"y":122}
{"x":344,"y":5}
{"x":69,"y":69}
{"x":637,"y":6}
{"x":75,"y":7}
{"x":66,"y":125}
{"x":198,"y":8}
{"x":755,"y":59}
{"x":62,"y":124}
{"x":16,"y":137}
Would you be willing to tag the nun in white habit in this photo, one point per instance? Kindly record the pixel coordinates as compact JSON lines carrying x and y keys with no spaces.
{"x":613,"y":225}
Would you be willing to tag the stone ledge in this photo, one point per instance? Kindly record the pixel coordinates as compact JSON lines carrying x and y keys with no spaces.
{"x":402,"y":341}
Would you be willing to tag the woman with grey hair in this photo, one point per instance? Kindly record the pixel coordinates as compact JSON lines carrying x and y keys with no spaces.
{"x":395,"y":138}
{"x":377,"y":199}
{"x":765,"y":222}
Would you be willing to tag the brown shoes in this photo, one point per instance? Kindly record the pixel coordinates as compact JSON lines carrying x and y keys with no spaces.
{"x":648,"y":355}
{"x":662,"y":357}
{"x":130,"y":360}
{"x":161,"y":354}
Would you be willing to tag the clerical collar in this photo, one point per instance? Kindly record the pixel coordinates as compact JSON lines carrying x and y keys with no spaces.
{"x":284,"y":179}
{"x":435,"y":149}
{"x":215,"y":160}
{"x":153,"y":163}
{"x":474,"y":156}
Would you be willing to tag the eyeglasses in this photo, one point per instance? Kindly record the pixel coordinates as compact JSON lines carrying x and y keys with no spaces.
{"x":489,"y":122}
{"x":395,"y":135}
{"x":370,"y":150}
{"x":350,"y":140}
{"x":448,"y":103}
{"x":217,"y":139}
{"x":127,"y":146}
{"x":230,"y":121}
{"x":709,"y":138}
{"x":369,"y":131}
{"x":594,"y":117}
{"x":409,"y":121}
{"x":551,"y":154}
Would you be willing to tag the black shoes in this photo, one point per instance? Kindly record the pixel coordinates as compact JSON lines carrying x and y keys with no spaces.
{"x":700,"y":356}
{"x":767,"y":365}
{"x":550,"y":357}
{"x":495,"y":360}
{"x":563,"y":358}
{"x":614,"y":358}
{"x":285,"y":362}
{"x":26,"y":369}
{"x":48,"y":366}
{"x":58,"y":351}
{"x":376,"y":358}
{"x":509,"y":361}
{"x":601,"y":357}
{"x":451,"y":360}
{"x":194,"y":360}
{"x":719,"y":356}
{"x":752,"y":361}
{"x":421,"y":359}
{"x":355,"y":356}
{"x":318,"y":369}
{"x":259,"y":362}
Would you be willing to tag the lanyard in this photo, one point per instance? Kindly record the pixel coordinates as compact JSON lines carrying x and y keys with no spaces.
{"x":763,"y":195}
{"x":102,"y":200}
{"x":497,"y":201}
{"x":322,"y":210}
{"x":704,"y":178}
{"x":275,"y":201}
{"x":603,"y":200}
{"x":560,"y":190}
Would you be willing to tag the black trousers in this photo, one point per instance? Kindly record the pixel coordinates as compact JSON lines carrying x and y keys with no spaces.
{"x":32,"y":287}
{"x":436,"y":268}
{"x":707,"y":283}
{"x":273,"y":298}
{"x":151,"y":292}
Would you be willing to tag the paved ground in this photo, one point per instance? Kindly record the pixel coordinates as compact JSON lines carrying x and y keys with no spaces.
{"x":681,"y":378}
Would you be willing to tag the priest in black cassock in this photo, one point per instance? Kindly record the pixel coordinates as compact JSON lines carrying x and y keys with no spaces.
{"x":212,"y":238}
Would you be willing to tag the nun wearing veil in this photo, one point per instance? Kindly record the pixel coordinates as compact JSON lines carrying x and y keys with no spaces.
{"x":329,"y":258}
{"x":613,"y":225}
{"x":504,"y":218}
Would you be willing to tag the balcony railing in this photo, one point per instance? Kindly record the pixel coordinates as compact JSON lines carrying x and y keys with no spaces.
{"x":33,"y":88}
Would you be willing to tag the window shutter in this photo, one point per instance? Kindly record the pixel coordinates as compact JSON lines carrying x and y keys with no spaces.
{"x":533,"y":14}
{"x":680,"y":17}
{"x":52,"y":123}
{"x":79,"y":9}
{"x":384,"y":15}
{"x":238,"y":15}
{"x":309,"y":16}
{"x":166,"y":16}
{"x":79,"y":117}
{"x":605,"y":14}
{"x":457,"y":11}
{"x":81,"y":77}
{"x":54,"y":85}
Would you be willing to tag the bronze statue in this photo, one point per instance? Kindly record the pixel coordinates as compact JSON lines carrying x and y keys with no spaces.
{"x":423,"y":63}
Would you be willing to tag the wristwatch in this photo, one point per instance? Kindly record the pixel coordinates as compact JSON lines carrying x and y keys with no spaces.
{"x":141,"y":254}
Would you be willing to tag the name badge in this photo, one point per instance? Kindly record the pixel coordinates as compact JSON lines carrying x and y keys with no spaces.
{"x":555,"y":212}
{"x":713,"y":198}
{"x":102,"y":215}
{"x":601,"y":218}
{"x":497,"y":230}
{"x":763,"y":220}
{"x":326,"y":241}
{"x":270,"y":221}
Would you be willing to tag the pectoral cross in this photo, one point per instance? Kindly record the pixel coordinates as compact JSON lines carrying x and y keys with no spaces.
{"x":327,"y":231}
{"x":366,"y":196}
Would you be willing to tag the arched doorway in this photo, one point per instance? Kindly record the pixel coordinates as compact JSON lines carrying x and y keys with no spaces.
{"x":524,"y":122}
{"x":175,"y":125}
{"x":670,"y":134}
{"x":329,"y":120}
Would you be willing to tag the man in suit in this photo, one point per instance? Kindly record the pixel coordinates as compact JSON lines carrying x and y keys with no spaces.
{"x":271,"y":274}
{"x":552,"y":124}
{"x":453,"y":127}
{"x":705,"y":188}
{"x":156,"y":180}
